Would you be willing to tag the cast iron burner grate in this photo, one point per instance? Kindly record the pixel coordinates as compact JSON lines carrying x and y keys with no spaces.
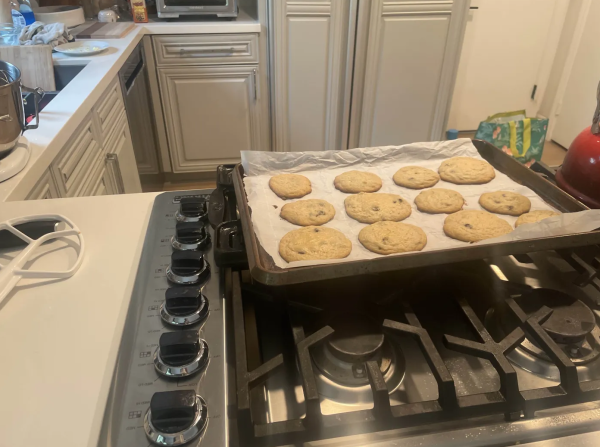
{"x":508,"y":400}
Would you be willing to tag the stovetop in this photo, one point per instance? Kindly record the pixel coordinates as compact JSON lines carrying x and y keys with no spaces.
{"x":492,"y":352}
{"x":435,"y":350}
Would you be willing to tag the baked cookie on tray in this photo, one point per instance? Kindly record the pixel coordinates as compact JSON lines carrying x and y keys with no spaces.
{"x":313,"y":243}
{"x":475,"y":225}
{"x":308,"y":212}
{"x":387,"y":238}
{"x":357,"y":181}
{"x":439,"y":200}
{"x":466,"y":171}
{"x":505,"y":202}
{"x":374,"y":207}
{"x":290,"y":186}
{"x":535,"y":216}
{"x":415,"y":177}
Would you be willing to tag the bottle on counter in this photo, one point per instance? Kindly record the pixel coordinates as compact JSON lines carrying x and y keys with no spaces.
{"x":22,"y":13}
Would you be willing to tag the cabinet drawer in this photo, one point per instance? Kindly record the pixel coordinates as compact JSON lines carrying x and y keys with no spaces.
{"x":209,"y":49}
{"x":99,"y":184}
{"x":45,"y":188}
{"x":74,"y":161}
{"x":110,"y":109}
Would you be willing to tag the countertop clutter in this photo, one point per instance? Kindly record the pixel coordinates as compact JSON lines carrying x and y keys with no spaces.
{"x":67,"y":111}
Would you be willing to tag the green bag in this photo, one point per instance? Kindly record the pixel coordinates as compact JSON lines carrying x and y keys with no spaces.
{"x":515,"y":134}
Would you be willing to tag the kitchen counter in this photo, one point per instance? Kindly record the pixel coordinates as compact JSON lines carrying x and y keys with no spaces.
{"x":65,"y":113}
{"x":59,"y":341}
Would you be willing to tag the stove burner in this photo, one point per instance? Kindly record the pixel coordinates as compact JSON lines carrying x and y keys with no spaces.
{"x":355,"y":339}
{"x":572,"y":326}
{"x":340,"y":362}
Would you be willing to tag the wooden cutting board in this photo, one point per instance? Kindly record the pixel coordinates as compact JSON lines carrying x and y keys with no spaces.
{"x":35,"y":63}
{"x":100,"y":30}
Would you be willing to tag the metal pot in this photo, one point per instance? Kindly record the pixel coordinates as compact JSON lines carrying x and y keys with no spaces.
{"x":12,"y":115}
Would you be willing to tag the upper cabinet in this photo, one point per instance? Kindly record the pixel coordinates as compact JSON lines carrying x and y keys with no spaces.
{"x":311,"y":72}
{"x":357,"y":74}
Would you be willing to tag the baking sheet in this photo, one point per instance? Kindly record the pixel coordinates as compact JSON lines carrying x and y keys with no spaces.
{"x":322,"y":167}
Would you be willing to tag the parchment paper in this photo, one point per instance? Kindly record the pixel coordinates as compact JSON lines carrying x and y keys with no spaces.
{"x":322,"y":167}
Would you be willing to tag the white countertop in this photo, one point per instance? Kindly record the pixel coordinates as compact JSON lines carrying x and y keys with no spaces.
{"x":65,"y":113}
{"x":59,"y":341}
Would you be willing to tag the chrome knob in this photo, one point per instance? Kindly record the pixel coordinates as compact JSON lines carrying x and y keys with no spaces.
{"x":180,"y":354}
{"x":175,"y":417}
{"x":188,"y":267}
{"x":184,"y":306}
{"x":190,"y":236}
{"x":192,"y":209}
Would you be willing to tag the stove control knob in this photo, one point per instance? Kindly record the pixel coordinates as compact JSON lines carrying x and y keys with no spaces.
{"x":188,"y":267}
{"x":184,"y":306}
{"x":190,"y":236}
{"x":192,"y":209}
{"x":175,"y":417}
{"x":180,"y":354}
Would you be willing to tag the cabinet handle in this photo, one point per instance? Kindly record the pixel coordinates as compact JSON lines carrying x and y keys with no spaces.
{"x":112,"y":162}
{"x":254,"y":82}
{"x":207,"y":50}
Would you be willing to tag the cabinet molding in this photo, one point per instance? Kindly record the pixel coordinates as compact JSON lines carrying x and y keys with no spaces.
{"x":310,"y":53}
{"x":211,"y":114}
{"x":45,"y":188}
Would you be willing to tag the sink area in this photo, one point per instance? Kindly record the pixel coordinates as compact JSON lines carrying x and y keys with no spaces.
{"x":63,"y":74}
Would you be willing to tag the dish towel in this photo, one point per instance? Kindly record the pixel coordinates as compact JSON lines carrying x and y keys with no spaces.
{"x":40,"y":34}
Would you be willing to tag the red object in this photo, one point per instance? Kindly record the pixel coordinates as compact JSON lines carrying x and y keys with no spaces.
{"x":580,"y":173}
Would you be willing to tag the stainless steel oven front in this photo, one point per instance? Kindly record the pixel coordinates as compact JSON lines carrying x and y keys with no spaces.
{"x":175,"y":8}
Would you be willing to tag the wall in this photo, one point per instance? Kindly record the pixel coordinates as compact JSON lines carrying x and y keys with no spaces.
{"x":560,"y":58}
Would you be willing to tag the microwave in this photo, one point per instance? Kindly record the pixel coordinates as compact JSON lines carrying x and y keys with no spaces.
{"x":170,"y":9}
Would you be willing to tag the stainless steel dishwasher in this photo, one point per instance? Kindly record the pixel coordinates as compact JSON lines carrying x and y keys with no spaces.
{"x":138,"y":104}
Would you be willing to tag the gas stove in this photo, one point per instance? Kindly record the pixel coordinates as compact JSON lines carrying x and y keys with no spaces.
{"x":491,"y":352}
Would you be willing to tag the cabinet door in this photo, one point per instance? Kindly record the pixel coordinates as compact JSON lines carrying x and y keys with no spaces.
{"x":45,"y":188}
{"x":120,"y":162}
{"x":211,"y":113}
{"x":412,"y":55}
{"x":312,"y":45}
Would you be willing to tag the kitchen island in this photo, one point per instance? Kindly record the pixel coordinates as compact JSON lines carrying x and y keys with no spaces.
{"x":60,"y":339}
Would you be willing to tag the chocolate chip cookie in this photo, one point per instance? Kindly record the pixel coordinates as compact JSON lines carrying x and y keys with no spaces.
{"x":475,"y":225}
{"x":466,"y":171}
{"x":312,"y":243}
{"x":375,"y":207}
{"x":308,"y":212}
{"x":357,"y":181}
{"x":439,"y":200}
{"x":415,"y":177}
{"x":505,"y":202}
{"x":290,"y":186}
{"x":392,"y":237}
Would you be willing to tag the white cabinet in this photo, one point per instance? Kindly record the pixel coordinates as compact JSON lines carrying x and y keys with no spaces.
{"x":405,"y":58}
{"x":211,"y":114}
{"x":98,"y":158}
{"x":210,"y":96}
{"x":310,"y":41}
{"x":45,"y":188}
{"x":358,"y":74}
